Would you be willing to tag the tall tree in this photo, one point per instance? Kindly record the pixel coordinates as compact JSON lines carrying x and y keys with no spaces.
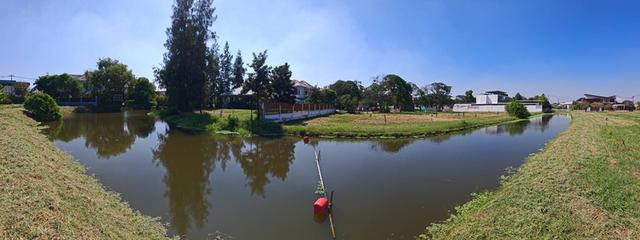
{"x":109,"y":82}
{"x":281,"y":84}
{"x":185,"y":69}
{"x":439,"y":94}
{"x":468,"y":97}
{"x":141,"y":94}
{"x":258,"y":80}
{"x":59,"y":86}
{"x":238,"y":71}
{"x":342,"y":87}
{"x":400,"y":92}
{"x":314,"y":95}
{"x":223,"y":85}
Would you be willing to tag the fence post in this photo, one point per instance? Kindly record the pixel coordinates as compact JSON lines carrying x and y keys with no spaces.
{"x":280,"y":111}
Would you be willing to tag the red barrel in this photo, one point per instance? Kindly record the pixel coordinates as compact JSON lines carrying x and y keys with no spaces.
{"x":320,"y":205}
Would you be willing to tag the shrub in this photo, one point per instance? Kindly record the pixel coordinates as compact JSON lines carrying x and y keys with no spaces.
{"x":230,"y":124}
{"x":42,"y":107}
{"x":4,"y":97}
{"x":517,"y":109}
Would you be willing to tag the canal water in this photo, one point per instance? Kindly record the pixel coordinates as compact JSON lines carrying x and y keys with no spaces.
{"x":206,"y":185}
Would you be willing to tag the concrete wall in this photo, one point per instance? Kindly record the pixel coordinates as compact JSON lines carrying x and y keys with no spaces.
{"x":487,"y":99}
{"x":532,"y":108}
{"x":283,"y":117}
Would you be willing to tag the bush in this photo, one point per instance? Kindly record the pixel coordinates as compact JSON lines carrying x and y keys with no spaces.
{"x":517,"y":109}
{"x":4,"y":97}
{"x":42,"y":107}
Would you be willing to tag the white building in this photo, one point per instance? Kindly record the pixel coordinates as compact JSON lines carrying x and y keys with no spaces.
{"x":301,"y":88}
{"x":487,"y":102}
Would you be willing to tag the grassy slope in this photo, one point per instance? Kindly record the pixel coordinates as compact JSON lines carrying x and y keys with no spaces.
{"x":584,"y":184}
{"x":45,"y":194}
{"x":223,"y":121}
{"x":358,"y":125}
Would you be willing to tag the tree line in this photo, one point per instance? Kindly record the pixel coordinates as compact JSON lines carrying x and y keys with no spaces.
{"x":392,"y":93}
{"x":386,"y":93}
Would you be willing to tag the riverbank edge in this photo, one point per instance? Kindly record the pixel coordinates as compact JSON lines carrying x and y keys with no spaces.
{"x":47,"y":194}
{"x":395,"y":135}
{"x":536,"y":203}
{"x":267,"y":128}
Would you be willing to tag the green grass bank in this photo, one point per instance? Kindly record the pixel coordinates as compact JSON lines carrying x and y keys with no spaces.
{"x":585,"y":184}
{"x":363,"y":125}
{"x":46,"y":194}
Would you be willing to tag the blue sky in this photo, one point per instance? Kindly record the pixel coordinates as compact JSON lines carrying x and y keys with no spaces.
{"x":562,"y":48}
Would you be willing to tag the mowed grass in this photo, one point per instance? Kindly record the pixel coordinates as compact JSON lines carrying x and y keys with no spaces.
{"x":241,"y":121}
{"x":585,"y":184}
{"x":46,"y":194}
{"x":394,"y":124}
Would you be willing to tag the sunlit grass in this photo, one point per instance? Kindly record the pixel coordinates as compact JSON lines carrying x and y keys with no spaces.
{"x":585,"y":184}
{"x":46,"y":194}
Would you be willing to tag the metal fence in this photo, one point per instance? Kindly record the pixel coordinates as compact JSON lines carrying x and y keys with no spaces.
{"x":279,"y":108}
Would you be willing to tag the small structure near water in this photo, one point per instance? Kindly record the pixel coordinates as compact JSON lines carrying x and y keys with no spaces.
{"x":282,"y":112}
{"x":489,"y":102}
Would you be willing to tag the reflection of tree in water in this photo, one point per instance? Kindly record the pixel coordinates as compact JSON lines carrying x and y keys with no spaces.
{"x":104,"y":132}
{"x":391,"y":145}
{"x":544,"y":121}
{"x":66,"y":129}
{"x":140,"y":124}
{"x":264,"y":157}
{"x":516,"y":128}
{"x":188,"y":160}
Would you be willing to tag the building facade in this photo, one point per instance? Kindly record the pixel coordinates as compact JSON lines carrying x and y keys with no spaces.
{"x":488,"y":102}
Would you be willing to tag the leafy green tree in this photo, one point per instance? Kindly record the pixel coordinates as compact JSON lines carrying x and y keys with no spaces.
{"x":517,"y":109}
{"x":546,"y":105}
{"x":42,"y":107}
{"x":4,"y":97}
{"x":376,"y":96}
{"x":59,"y":86}
{"x":400,"y":92}
{"x":329,"y":96}
{"x":238,"y":71}
{"x":141,"y":94}
{"x":348,"y":103}
{"x":281,"y":84}
{"x":185,"y":72}
{"x":314,"y":95}
{"x":213,"y":73}
{"x":351,"y":88}
{"x":225,"y":75}
{"x":109,"y":82}
{"x":258,"y":80}
{"x":438,"y":95}
{"x":468,"y":97}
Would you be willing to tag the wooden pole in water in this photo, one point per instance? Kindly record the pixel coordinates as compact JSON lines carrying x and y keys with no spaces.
{"x":324,"y":190}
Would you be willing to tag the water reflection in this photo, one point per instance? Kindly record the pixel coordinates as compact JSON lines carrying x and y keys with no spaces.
{"x":189,"y":160}
{"x":109,"y":134}
{"x":187,"y":168}
{"x":265,"y":157}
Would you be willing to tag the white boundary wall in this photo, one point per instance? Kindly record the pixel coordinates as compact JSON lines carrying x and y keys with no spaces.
{"x":283,"y":117}
{"x":533,"y":108}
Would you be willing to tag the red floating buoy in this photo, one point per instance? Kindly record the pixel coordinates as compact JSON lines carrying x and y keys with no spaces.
{"x":320,"y":205}
{"x":305,"y":139}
